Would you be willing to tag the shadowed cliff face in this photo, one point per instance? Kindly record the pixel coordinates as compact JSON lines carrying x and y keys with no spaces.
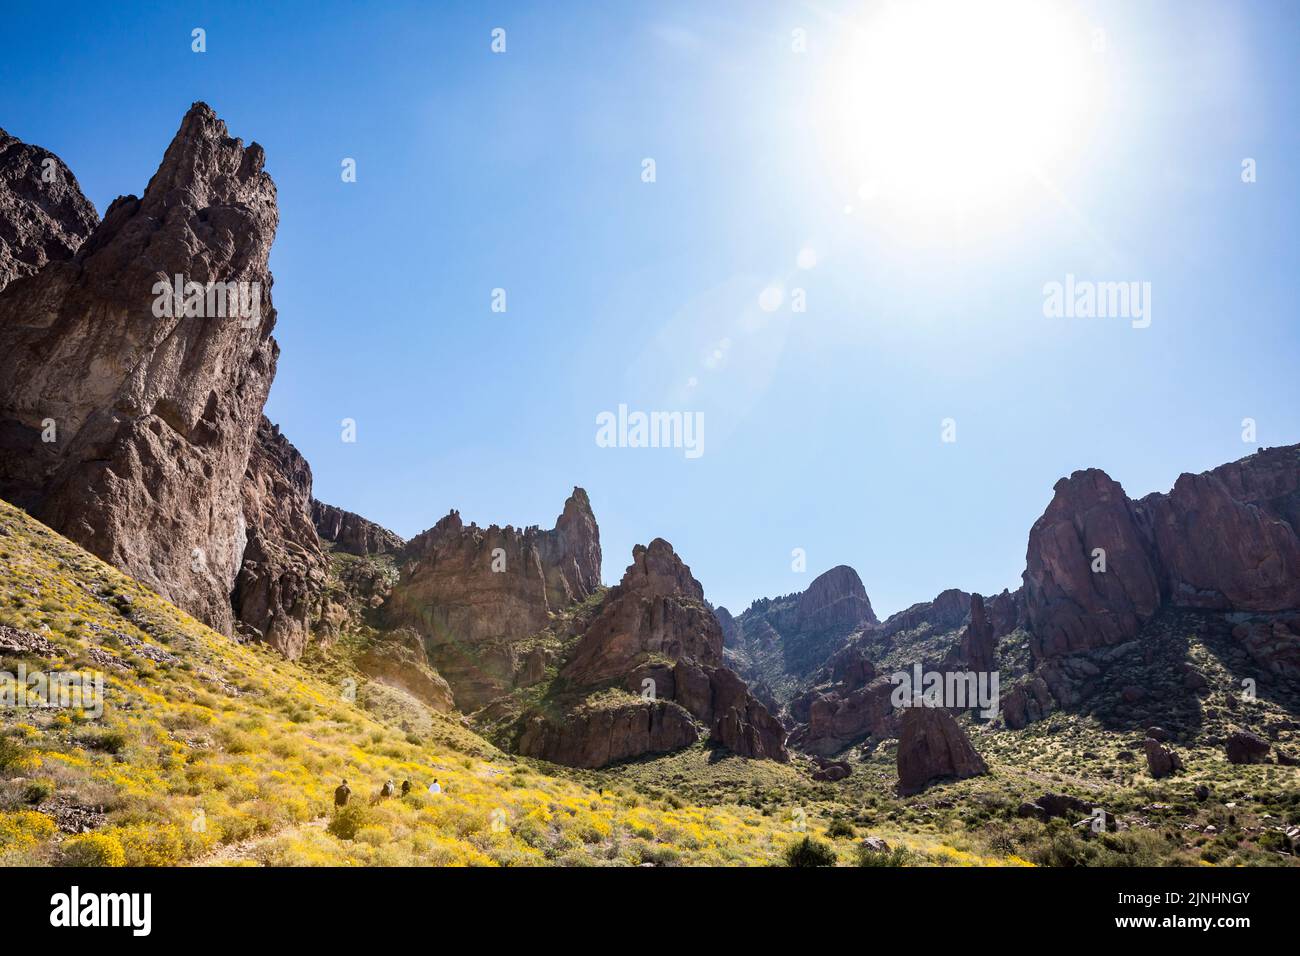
{"x":43,"y":215}
{"x":155,"y":415}
{"x":781,"y":641}
{"x":473,"y":593}
{"x":1223,"y":540}
{"x":279,"y":593}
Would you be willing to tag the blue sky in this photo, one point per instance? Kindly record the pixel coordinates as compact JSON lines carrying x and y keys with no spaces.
{"x":523,"y":171}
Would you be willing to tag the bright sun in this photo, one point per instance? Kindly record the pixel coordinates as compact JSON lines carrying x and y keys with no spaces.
{"x":941,"y":107}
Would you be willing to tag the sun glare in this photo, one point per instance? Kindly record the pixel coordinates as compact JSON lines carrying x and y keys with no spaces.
{"x":946,"y":107}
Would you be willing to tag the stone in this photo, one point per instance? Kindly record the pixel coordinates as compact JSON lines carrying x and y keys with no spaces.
{"x":1244,"y":747}
{"x":279,"y":592}
{"x":933,"y":746}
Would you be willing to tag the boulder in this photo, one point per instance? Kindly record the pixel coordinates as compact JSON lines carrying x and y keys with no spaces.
{"x":1161,"y":760}
{"x":933,"y":746}
{"x":1244,"y":747}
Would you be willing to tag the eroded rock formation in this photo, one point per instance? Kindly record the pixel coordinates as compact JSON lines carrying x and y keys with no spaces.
{"x":781,"y":641}
{"x":473,"y":594}
{"x":130,"y":431}
{"x":646,"y":677}
{"x":353,"y":533}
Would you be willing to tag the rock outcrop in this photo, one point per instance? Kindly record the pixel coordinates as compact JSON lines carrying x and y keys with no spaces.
{"x":126,"y":417}
{"x":279,"y":592}
{"x":1224,"y":540}
{"x":352,"y":533}
{"x":1229,"y":539}
{"x":646,"y":676}
{"x":932,"y":746}
{"x":977,"y":649}
{"x":473,"y":594}
{"x":1070,"y":606}
{"x":43,"y":215}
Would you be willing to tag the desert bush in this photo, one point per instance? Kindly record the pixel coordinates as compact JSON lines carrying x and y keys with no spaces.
{"x":93,"y":849}
{"x":809,"y":852}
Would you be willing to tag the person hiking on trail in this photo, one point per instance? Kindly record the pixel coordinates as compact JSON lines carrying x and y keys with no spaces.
{"x":341,"y":796}
{"x":388,"y":790}
{"x":406,"y":787}
{"x":435,"y":787}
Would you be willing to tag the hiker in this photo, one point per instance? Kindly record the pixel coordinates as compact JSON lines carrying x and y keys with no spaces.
{"x":341,"y":796}
{"x":406,"y":787}
{"x":435,"y":787}
{"x":388,"y":790}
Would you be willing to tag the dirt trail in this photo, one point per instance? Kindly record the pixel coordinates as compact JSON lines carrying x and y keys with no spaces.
{"x":233,"y":854}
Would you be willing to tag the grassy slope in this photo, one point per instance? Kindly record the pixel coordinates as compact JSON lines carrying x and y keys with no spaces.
{"x":224,"y":753}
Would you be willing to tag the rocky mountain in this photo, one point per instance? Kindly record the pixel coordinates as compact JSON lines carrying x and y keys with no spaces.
{"x":128,"y":418}
{"x":475,"y":595}
{"x":352,"y":533}
{"x":43,"y":215}
{"x":778,"y":642}
{"x":646,"y":676}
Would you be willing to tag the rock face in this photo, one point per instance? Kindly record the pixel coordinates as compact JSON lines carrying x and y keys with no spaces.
{"x":43,"y":215}
{"x":473,"y":593}
{"x":654,"y":637}
{"x":152,"y":418}
{"x":977,"y":650}
{"x":932,"y":746}
{"x":1070,"y":607}
{"x":351,"y":532}
{"x":781,"y":641}
{"x":279,"y":593}
{"x":1224,"y":540}
{"x":947,"y":611}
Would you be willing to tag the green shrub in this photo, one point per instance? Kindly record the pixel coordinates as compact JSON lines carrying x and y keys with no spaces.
{"x":840,"y":828}
{"x":809,"y":852}
{"x":349,"y":821}
{"x":93,"y":849}
{"x":898,"y":856}
{"x":11,"y":752}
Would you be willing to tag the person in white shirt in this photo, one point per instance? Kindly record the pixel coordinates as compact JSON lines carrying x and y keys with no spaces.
{"x":435,"y":787}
